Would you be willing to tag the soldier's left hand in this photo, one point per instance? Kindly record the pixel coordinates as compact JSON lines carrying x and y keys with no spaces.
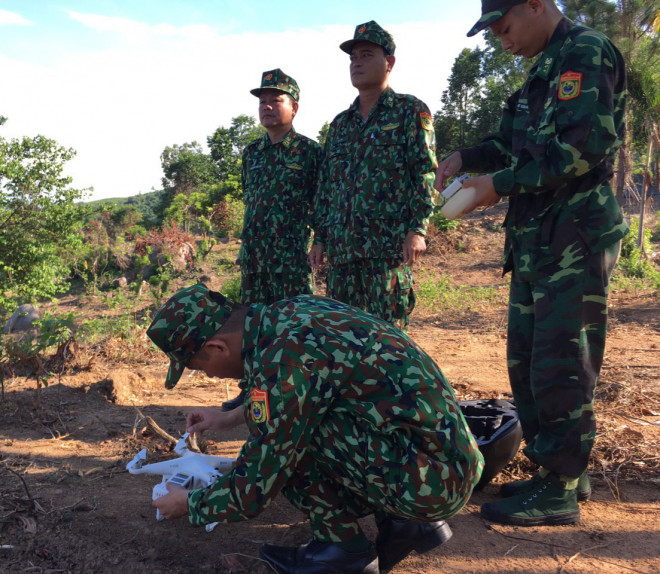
{"x":486,"y":196}
{"x":413,"y":246}
{"x":174,"y":504}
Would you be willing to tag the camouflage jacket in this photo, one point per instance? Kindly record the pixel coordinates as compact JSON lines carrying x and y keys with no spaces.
{"x":311,"y":359}
{"x":279,"y":181}
{"x":554,"y":154}
{"x":376,"y":179}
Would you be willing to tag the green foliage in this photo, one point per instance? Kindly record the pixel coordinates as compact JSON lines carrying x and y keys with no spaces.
{"x":231,"y":287}
{"x":30,"y":349}
{"x":323,"y":134}
{"x":441,"y":223}
{"x":480,"y":82}
{"x":438,"y":291}
{"x":145,"y":204}
{"x":39,"y":220}
{"x":227,"y":218}
{"x":204,"y":247}
{"x":632,"y":262}
{"x":227,"y":144}
{"x":187,"y":170}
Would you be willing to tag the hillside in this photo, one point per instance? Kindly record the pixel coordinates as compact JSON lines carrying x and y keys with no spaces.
{"x":68,"y":505}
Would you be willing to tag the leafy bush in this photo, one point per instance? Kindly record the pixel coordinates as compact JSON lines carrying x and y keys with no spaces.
{"x":441,"y":223}
{"x":231,"y":288}
{"x":227,"y":217}
{"x":633,"y":263}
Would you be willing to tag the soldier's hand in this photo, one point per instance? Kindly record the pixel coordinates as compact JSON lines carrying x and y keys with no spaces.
{"x":212,"y":418}
{"x":446,"y":168}
{"x":316,"y":256}
{"x":173,"y":504}
{"x":485,"y":196}
{"x":413,"y":246}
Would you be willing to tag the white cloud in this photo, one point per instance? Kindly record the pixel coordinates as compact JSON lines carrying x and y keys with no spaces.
{"x":159,"y":85}
{"x":13,"y":19}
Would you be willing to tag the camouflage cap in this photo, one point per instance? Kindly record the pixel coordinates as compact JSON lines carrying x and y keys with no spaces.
{"x":492,"y":10}
{"x":182,"y":326}
{"x":277,"y":80}
{"x":370,"y":32}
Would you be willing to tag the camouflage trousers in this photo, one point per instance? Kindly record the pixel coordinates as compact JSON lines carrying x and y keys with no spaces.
{"x":556,"y":341}
{"x":334,"y":484}
{"x":380,"y":287}
{"x":267,"y":287}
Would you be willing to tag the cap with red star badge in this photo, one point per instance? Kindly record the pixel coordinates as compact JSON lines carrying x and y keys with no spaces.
{"x":370,"y":32}
{"x":277,"y":80}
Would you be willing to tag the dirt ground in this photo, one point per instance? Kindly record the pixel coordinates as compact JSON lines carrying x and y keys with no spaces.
{"x":67,"y":503}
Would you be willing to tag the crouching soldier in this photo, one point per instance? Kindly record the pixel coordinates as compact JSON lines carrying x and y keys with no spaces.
{"x":347,"y":417}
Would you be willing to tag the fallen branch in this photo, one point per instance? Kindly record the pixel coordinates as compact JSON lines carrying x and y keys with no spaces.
{"x":153,"y":426}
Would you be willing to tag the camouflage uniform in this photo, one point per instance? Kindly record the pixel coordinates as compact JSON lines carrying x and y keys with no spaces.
{"x":376,"y":185}
{"x":555,"y":155}
{"x":279,"y":181}
{"x":347,"y":417}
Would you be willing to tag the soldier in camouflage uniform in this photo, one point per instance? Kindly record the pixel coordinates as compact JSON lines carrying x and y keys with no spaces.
{"x":347,"y":417}
{"x":553,"y":159}
{"x":280,"y":173}
{"x":375,"y":192}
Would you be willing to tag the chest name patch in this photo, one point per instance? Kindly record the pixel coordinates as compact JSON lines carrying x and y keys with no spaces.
{"x":295,"y":166}
{"x":570,"y":85}
{"x":426,"y":121}
{"x":259,"y":410}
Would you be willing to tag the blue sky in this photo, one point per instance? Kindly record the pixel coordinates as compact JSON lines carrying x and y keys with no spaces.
{"x":120,"y":80}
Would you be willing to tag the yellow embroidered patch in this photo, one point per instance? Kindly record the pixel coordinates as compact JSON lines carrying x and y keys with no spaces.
{"x":390,"y":127}
{"x":259,"y":410}
{"x":570,"y":85}
{"x":294,"y":166}
{"x":426,"y":121}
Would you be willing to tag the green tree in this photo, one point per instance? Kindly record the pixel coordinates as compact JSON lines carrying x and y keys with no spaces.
{"x":227,"y":144}
{"x":323,"y":133}
{"x":40,"y":219}
{"x":480,"y":82}
{"x":186,"y":170}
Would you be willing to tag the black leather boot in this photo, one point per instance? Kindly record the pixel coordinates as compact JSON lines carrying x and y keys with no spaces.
{"x":398,"y":537}
{"x":319,"y":558}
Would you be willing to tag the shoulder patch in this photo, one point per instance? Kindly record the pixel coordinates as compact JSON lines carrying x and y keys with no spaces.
{"x":426,"y":121}
{"x":259,"y":410}
{"x":570,"y":85}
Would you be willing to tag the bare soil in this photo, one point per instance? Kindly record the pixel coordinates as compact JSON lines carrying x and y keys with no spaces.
{"x":68,"y":505}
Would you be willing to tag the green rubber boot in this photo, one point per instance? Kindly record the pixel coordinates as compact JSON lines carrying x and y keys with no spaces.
{"x":547,"y":503}
{"x":518,"y":486}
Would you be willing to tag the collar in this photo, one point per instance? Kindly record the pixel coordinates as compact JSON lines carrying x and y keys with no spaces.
{"x":386,"y":99}
{"x":286,"y":141}
{"x":545,"y":64}
{"x":251,"y":333}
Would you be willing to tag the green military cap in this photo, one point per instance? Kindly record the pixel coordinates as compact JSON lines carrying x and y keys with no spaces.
{"x":182,"y":326}
{"x":370,"y":32}
{"x":277,"y":80}
{"x":492,"y":10}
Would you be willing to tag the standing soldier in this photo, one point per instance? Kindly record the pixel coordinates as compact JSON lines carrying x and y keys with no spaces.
{"x":375,"y":192}
{"x":347,"y":418}
{"x":279,"y":179}
{"x":553,"y":159}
